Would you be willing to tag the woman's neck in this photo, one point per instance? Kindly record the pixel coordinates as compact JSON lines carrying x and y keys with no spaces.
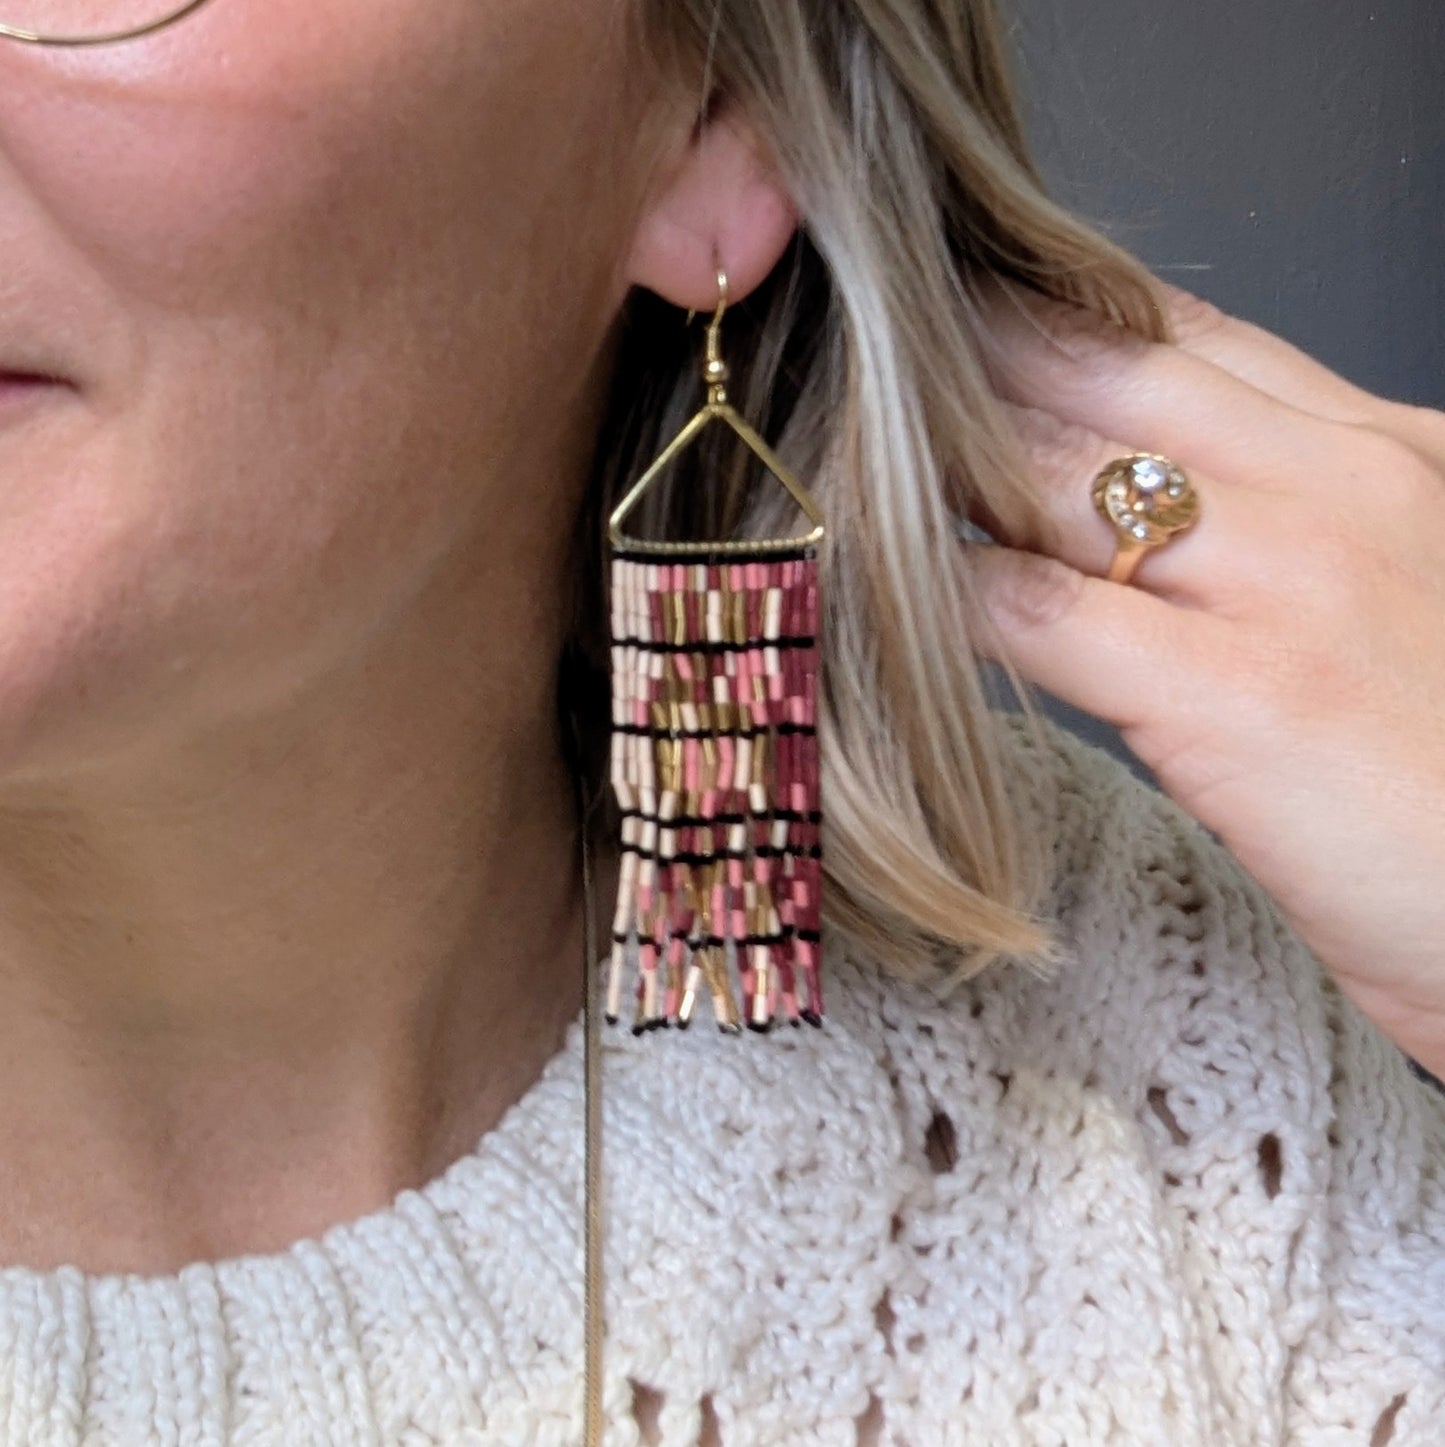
{"x":258,"y":980}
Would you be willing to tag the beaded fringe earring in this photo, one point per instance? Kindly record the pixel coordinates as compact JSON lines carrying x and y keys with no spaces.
{"x":714,"y":757}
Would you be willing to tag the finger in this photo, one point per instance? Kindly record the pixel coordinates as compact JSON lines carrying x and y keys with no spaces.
{"x":1218,"y":557}
{"x":1422,"y":428}
{"x":1118,"y":653}
{"x":1158,"y":397}
{"x":1272,"y":364}
{"x":1268,"y":362}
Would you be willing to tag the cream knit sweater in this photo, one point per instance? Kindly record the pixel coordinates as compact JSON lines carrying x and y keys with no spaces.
{"x":1182,"y":1195}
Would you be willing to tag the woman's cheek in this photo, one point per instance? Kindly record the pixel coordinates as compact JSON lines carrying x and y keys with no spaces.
{"x":168,"y":174}
{"x":297,"y":265}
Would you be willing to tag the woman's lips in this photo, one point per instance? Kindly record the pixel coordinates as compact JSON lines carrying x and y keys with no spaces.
{"x":18,"y":388}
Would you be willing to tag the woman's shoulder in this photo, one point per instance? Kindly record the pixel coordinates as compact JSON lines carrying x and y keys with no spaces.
{"x":1181,"y":993}
{"x":1183,"y":1145}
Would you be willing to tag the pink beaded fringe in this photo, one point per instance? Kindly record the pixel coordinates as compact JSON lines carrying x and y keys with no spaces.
{"x":715,"y":767}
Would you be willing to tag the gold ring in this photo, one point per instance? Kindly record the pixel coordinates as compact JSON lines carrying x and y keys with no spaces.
{"x":1149,"y":500}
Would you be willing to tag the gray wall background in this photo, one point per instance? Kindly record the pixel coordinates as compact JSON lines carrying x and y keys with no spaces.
{"x":1283,"y":158}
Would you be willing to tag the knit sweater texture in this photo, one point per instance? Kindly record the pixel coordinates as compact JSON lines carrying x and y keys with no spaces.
{"x":1180,"y":1194}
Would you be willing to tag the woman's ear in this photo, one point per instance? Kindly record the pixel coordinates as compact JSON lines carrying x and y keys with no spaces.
{"x":716,"y":200}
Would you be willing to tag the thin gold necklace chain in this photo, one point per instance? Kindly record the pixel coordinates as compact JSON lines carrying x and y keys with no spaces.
{"x":592,"y":1162}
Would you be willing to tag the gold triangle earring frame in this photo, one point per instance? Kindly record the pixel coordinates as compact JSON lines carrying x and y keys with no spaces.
{"x":716,"y":408}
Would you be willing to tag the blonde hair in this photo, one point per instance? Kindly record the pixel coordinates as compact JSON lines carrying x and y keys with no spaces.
{"x":860,"y":359}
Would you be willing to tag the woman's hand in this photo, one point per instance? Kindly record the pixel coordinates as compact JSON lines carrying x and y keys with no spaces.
{"x":1281,"y":666}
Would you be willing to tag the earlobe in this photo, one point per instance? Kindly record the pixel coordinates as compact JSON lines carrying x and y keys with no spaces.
{"x":720,"y":200}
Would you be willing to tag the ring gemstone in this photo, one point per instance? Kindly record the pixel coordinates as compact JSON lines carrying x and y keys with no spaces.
{"x":1150,"y":475}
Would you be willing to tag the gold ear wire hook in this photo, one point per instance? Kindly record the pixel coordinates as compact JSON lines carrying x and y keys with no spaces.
{"x":714,"y":369}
